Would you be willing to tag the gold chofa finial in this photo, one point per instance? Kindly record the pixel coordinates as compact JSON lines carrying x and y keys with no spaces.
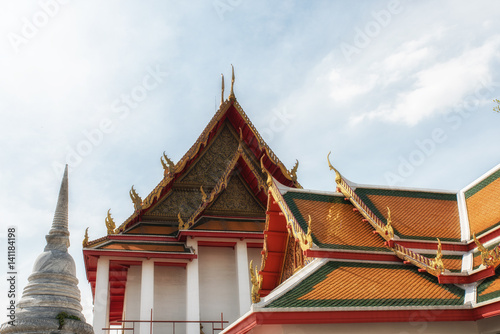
{"x":231,"y":94}
{"x":86,"y":238}
{"x":338,"y":178}
{"x":136,"y":199}
{"x":168,"y":165}
{"x":222,"y":91}
{"x":110,"y":223}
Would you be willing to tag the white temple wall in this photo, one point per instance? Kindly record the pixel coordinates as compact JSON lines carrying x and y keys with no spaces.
{"x":218,"y":283}
{"x":489,"y":325}
{"x":456,"y":327}
{"x":132,"y":306}
{"x":170,"y":298}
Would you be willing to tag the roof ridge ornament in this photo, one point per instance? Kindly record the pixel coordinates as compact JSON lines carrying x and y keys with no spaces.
{"x":85,"y":241}
{"x":232,"y":97}
{"x":293,"y":171}
{"x":488,"y":258}
{"x":338,"y":177}
{"x":168,"y":164}
{"x":136,"y":199}
{"x":182,"y":225}
{"x":256,"y":281}
{"x":110,"y":223}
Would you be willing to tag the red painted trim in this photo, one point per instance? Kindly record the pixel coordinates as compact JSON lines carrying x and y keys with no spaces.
{"x":130,"y":237}
{"x":219,"y":234}
{"x":216,"y":243}
{"x":484,"y":238}
{"x":100,"y":252}
{"x":458,"y":279}
{"x":255,"y":245}
{"x":351,"y":255}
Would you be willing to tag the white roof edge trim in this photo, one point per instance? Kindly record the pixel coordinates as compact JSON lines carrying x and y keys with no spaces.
{"x":481,"y":178}
{"x":291,"y":282}
{"x":385,"y":187}
{"x":365,"y":308}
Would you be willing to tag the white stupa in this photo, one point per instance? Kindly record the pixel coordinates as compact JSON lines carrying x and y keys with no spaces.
{"x":51,"y":301}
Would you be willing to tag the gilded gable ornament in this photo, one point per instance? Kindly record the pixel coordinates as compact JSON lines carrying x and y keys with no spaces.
{"x":338,"y":177}
{"x":388,"y":230}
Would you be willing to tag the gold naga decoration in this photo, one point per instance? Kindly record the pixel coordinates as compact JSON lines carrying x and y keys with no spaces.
{"x":136,"y":199}
{"x":86,"y":238}
{"x":203,"y":195}
{"x":110,"y":223}
{"x":488,"y":258}
{"x":256,"y":280}
{"x":387,"y":229}
{"x":338,"y":177}
{"x":437,"y":263}
{"x":293,"y":171}
{"x":168,"y":165}
{"x":181,"y":222}
{"x":231,"y":93}
{"x":305,"y":240}
{"x":269,"y":181}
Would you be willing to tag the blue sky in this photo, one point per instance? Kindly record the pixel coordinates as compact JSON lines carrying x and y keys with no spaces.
{"x":400,"y":91}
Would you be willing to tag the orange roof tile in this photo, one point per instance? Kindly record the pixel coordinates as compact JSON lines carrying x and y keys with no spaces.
{"x":416,"y":215}
{"x":334,"y":223}
{"x":482,"y":204}
{"x":338,"y":284}
{"x":489,"y":288}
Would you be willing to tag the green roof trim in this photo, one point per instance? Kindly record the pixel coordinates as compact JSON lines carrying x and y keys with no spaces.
{"x":482,"y":184}
{"x":292,"y":195}
{"x":291,"y":298}
{"x":363,"y":193}
{"x":485,"y":284}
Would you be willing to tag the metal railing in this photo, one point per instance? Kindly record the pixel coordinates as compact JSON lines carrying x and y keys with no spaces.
{"x":215,"y":324}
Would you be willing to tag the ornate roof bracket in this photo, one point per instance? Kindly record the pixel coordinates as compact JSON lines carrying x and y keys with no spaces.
{"x":488,"y":258}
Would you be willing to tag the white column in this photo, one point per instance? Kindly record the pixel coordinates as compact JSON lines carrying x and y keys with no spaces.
{"x":101,"y":298}
{"x":243,"y":276}
{"x":147,"y":293}
{"x":193,"y":291}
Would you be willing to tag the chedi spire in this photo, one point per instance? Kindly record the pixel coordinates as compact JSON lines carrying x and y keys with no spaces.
{"x":51,"y":300}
